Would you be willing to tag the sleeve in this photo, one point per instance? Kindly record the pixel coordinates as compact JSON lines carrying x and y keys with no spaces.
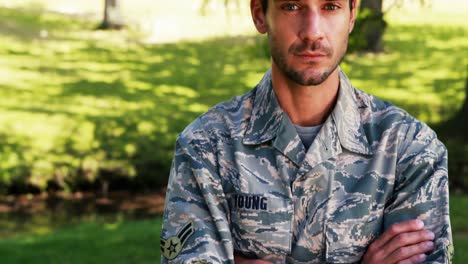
{"x":195,"y":225}
{"x":421,"y":189}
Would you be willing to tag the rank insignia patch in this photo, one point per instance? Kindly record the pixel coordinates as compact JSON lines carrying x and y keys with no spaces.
{"x":172,"y":246}
{"x":450,"y":251}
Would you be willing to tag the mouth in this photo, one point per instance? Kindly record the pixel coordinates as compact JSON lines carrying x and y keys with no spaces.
{"x":309,"y":54}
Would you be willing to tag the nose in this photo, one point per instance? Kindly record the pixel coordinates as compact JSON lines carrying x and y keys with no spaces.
{"x":311,"y":28}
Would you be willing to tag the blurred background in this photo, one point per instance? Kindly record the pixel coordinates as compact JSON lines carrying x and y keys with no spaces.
{"x":94,"y":93}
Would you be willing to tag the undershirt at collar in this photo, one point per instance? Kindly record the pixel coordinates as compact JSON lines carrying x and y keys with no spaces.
{"x":307,"y":134}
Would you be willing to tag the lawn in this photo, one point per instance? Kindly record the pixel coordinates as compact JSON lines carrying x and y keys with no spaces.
{"x":459,"y":214}
{"x":91,"y":242}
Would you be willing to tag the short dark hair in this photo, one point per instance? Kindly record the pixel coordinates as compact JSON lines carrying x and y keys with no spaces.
{"x":265,"y":5}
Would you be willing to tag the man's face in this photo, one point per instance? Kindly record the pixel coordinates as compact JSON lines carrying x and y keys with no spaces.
{"x":307,"y":38}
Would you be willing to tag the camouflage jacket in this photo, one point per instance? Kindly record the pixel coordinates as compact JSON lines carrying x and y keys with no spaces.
{"x":241,"y":181}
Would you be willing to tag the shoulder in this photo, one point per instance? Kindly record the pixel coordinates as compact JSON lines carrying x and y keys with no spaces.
{"x":224,"y":121}
{"x":382,"y":119}
{"x":375,"y":111}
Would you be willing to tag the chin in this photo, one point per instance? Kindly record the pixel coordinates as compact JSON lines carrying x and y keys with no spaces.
{"x":315,"y":76}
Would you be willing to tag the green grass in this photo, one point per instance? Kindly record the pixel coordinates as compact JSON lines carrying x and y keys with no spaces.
{"x":459,"y":214}
{"x":119,"y":242}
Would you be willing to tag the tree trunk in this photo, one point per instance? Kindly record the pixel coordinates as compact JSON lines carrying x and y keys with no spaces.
{"x":112,"y":17}
{"x":105,"y":189}
{"x":374,"y":24}
{"x":374,"y":5}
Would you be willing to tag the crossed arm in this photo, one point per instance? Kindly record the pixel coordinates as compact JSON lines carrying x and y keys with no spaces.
{"x":402,"y":243}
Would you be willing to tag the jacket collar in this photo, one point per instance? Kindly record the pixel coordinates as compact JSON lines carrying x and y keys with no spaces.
{"x":266,"y":114}
{"x":268,"y":121}
{"x":347,"y":117}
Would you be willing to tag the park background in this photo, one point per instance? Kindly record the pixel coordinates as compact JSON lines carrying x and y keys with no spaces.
{"x":88,"y":118}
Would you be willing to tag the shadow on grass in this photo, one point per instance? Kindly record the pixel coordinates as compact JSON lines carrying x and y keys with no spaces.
{"x":119,"y":106}
{"x":164,"y":89}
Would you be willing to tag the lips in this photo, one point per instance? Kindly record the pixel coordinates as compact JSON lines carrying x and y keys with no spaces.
{"x":311,"y":54}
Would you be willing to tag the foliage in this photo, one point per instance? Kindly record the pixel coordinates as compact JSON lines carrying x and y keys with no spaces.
{"x":367,"y":24}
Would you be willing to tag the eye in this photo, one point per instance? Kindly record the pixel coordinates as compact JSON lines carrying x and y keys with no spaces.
{"x":331,"y":7}
{"x":290,"y":7}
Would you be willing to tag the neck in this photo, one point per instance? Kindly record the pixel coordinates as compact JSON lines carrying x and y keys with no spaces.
{"x":306,"y":105}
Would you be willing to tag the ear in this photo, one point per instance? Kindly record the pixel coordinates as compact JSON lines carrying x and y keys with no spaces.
{"x":258,"y":17}
{"x":352,"y":18}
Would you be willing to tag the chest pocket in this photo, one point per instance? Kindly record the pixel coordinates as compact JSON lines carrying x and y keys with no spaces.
{"x":347,"y":241}
{"x":261,"y":225}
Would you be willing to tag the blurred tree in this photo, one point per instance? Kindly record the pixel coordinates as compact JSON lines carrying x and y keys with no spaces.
{"x":371,"y":24}
{"x":112,"y":16}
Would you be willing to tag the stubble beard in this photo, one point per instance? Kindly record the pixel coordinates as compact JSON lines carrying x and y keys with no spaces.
{"x":297,"y":76}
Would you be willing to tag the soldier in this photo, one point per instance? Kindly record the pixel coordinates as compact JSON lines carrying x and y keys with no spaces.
{"x":305,"y":168}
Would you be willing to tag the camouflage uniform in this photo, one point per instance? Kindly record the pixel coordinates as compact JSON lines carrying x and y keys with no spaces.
{"x":242,"y":181}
